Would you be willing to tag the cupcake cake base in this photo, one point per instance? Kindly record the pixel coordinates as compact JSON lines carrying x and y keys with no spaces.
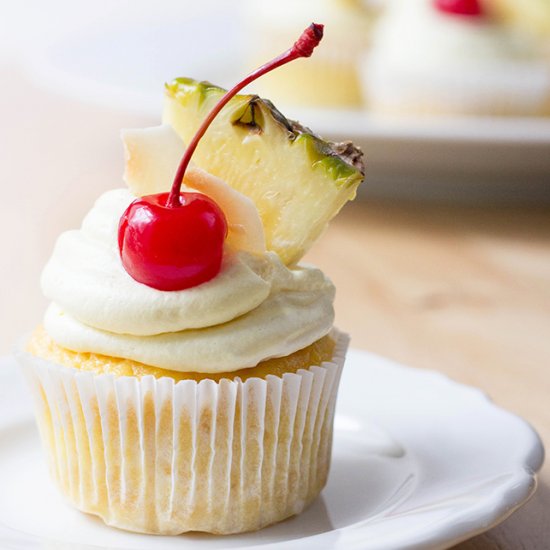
{"x":161,"y":456}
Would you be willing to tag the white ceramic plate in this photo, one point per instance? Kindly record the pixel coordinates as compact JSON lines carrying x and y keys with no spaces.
{"x":419,"y":462}
{"x":452,"y":158}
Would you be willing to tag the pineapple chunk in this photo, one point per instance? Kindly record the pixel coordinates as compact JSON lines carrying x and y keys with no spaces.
{"x":297,"y":181}
{"x":152,"y":158}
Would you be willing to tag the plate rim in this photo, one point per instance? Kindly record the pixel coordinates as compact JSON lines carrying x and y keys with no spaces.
{"x":510,"y":499}
{"x":44,"y":71}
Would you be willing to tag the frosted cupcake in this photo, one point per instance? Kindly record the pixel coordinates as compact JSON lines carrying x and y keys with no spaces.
{"x":452,"y":57}
{"x":196,"y":394}
{"x":331,"y":78}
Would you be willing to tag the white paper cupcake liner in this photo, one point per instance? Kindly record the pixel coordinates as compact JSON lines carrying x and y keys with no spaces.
{"x":159,"y":456}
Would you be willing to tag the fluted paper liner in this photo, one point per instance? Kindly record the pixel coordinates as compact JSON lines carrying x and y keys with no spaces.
{"x":158,"y":456}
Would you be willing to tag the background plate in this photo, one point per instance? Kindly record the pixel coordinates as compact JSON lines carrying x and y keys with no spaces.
{"x":419,"y":462}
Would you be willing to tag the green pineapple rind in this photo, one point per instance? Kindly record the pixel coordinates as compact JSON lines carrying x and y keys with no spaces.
{"x":341,"y":162}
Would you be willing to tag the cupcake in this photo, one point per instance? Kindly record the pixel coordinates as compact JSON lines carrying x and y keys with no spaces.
{"x":331,"y":78}
{"x":198,"y":394}
{"x":453,"y":57}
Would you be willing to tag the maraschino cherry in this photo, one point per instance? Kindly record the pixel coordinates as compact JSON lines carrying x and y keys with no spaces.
{"x":471,"y":8}
{"x":174,"y":241}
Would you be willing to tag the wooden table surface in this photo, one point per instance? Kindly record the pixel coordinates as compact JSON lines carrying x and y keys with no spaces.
{"x":463,"y":290}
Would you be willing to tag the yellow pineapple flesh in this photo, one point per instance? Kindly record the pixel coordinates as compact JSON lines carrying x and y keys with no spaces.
{"x":297,"y":181}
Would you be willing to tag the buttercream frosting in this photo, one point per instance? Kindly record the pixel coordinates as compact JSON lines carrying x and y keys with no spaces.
{"x":254,"y":309}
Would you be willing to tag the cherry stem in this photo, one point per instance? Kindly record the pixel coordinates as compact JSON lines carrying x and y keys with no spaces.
{"x":303,"y":47}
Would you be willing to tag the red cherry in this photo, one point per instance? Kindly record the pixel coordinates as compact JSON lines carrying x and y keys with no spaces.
{"x":172,"y":248}
{"x":471,"y":8}
{"x":173,"y":241}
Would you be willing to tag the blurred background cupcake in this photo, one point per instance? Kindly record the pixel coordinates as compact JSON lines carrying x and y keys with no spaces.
{"x":454,"y":57}
{"x":331,"y":77}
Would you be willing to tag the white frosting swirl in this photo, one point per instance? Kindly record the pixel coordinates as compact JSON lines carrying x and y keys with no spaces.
{"x":255,"y":309}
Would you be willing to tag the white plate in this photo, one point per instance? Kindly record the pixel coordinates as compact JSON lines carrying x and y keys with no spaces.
{"x":419,"y":462}
{"x":461,"y":158}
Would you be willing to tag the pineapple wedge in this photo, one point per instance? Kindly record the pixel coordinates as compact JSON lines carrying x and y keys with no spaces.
{"x":297,"y":181}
